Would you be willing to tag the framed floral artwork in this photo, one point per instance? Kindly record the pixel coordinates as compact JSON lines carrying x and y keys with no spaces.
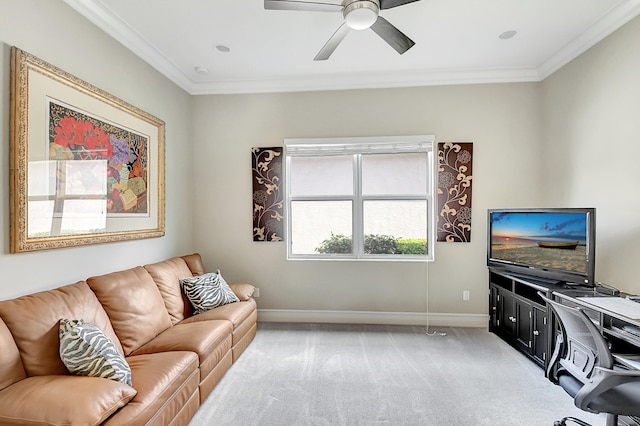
{"x":86,"y":167}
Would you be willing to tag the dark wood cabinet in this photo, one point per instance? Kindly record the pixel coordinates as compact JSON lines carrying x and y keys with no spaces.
{"x":518,"y":315}
{"x":541,"y":336}
{"x":522,"y":324}
{"x":506,"y":312}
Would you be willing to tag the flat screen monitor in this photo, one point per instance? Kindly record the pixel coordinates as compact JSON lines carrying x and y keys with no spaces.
{"x":551,"y":244}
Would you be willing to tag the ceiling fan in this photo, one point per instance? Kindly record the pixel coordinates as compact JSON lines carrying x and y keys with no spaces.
{"x":358,"y":15}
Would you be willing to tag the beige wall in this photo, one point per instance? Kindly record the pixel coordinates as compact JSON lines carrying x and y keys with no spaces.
{"x":591,"y":147}
{"x":501,"y":120}
{"x":569,"y":141}
{"x":55,"y":33}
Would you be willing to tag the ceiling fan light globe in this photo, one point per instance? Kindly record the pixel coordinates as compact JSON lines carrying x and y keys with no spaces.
{"x":360,"y":15}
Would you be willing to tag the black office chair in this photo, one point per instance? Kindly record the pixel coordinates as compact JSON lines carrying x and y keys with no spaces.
{"x":585,"y":368}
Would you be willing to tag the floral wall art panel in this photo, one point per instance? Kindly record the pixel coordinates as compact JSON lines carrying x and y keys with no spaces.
{"x":454,"y":191}
{"x":268,"y":196}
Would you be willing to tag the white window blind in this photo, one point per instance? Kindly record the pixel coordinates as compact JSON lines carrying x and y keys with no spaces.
{"x":364,"y":145}
{"x":360,"y":198}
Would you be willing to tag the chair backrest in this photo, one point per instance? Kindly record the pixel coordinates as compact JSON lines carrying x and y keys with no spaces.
{"x":583,"y":346}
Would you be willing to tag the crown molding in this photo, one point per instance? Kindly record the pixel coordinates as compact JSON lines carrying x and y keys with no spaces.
{"x":371,"y":81}
{"x":615,"y":19}
{"x":102,"y":17}
{"x":97,"y":13}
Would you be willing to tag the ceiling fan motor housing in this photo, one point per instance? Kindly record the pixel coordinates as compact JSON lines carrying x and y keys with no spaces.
{"x":360,"y":14}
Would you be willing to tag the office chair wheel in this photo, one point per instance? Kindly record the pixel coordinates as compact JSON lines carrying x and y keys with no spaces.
{"x":564,"y":421}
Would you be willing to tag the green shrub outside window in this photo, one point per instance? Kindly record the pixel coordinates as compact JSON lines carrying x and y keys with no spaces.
{"x":373,"y":244}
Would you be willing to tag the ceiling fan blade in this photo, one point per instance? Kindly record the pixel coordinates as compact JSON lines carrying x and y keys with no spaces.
{"x":393,"y":36}
{"x":301,"y":5}
{"x":333,"y":42}
{"x":388,"y":4}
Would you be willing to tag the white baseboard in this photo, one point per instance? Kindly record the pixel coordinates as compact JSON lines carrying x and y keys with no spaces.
{"x":373,"y":317}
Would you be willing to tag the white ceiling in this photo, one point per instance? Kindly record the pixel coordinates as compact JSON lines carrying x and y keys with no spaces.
{"x":272,"y":51}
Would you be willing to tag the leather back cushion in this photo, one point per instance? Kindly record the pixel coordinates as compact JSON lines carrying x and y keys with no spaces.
{"x":167,"y":275}
{"x":34,"y":322}
{"x":11,"y":369}
{"x":194,"y":262}
{"x":134,"y":304}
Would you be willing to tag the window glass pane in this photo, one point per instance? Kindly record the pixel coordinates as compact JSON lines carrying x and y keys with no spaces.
{"x":313,"y":222}
{"x":321,"y":175}
{"x":394,"y":174}
{"x":395,"y":227}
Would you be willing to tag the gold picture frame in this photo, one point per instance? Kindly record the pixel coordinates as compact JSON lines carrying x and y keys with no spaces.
{"x":85,"y":166}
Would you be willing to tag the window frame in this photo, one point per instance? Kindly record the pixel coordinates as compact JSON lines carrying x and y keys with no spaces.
{"x":357,"y":147}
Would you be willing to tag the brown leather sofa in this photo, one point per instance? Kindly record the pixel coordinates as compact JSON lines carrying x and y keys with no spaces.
{"x":176,"y":358}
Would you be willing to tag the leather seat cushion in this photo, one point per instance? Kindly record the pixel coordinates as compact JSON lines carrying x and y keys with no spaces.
{"x":210,"y":340}
{"x":62,"y":400}
{"x":242,"y":315}
{"x":235,"y":312}
{"x":165,"y":382}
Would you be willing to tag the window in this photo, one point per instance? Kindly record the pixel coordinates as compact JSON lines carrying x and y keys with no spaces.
{"x":360,"y":198}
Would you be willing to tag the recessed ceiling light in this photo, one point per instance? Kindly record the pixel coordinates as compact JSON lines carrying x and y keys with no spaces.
{"x":222,"y":48}
{"x":507,"y":35}
{"x":202,"y":70}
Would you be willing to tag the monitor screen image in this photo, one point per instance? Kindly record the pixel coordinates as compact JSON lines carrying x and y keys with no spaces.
{"x":552,"y":241}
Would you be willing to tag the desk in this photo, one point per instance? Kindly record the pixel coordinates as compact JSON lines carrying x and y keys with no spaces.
{"x":617,"y":318}
{"x":622,"y":331}
{"x":621,"y":306}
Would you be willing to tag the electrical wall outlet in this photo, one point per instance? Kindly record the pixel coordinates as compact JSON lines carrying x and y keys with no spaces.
{"x":256,"y":292}
{"x":465,"y":295}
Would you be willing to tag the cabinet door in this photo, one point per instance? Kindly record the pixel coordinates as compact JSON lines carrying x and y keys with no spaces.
{"x":523,"y":317}
{"x":540,"y":335}
{"x":506,"y":313}
{"x":493,"y":308}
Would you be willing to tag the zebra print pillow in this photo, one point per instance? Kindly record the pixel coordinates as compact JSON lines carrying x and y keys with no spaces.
{"x":207,"y":291}
{"x":86,"y":351}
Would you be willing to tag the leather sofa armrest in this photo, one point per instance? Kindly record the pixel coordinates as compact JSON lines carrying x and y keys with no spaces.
{"x":242,"y":290}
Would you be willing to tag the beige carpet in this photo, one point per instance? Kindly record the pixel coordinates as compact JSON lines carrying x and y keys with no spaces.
{"x":321,"y":374}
